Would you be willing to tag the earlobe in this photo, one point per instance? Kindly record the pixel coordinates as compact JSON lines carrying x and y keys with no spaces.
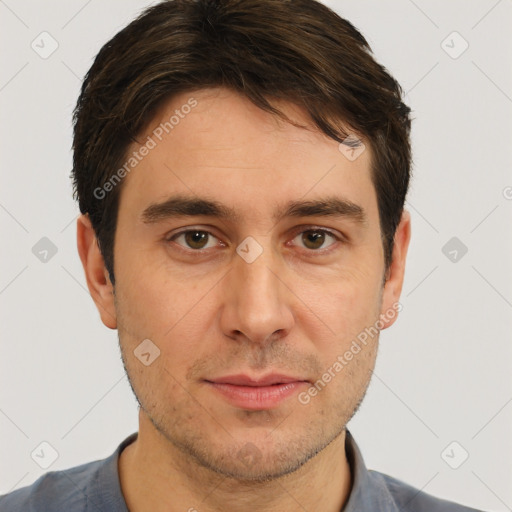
{"x":395,"y":278}
{"x":96,"y":274}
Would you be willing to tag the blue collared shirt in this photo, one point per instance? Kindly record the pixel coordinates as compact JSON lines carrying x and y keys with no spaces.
{"x":95,"y":487}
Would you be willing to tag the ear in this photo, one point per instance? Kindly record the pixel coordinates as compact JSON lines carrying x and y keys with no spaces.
{"x":96,"y":273}
{"x":395,"y":275}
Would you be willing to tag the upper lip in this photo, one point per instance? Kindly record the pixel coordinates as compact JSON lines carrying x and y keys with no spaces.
{"x":246,"y":380}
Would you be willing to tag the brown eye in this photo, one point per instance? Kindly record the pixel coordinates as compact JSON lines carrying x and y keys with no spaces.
{"x":315,"y":239}
{"x":194,"y":239}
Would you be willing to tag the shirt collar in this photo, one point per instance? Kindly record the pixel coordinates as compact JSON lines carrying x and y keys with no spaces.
{"x":369,"y":490}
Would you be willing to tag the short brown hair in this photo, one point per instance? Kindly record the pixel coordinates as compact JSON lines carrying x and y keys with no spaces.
{"x":300,"y":51}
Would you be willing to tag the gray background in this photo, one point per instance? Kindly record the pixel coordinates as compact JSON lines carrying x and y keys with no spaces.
{"x":444,"y":369}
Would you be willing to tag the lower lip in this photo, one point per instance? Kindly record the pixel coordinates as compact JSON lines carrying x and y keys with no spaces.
{"x":257,"y":397}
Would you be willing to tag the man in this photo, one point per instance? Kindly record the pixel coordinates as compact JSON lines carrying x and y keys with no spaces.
{"x":241,"y":168}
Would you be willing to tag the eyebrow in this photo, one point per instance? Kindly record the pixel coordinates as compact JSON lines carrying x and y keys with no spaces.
{"x":188,"y":206}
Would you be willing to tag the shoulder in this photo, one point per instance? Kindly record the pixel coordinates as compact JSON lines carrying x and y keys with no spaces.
{"x":55,"y":491}
{"x":372,"y":490}
{"x":407,"y":498}
{"x":93,"y":486}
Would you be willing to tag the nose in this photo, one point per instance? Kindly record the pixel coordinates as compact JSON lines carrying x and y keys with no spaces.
{"x":257,"y":303}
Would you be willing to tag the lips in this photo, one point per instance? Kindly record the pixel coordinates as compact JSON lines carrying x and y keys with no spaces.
{"x":268,"y":380}
{"x":256,"y":393}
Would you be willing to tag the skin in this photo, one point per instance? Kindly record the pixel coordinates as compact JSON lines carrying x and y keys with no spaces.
{"x":293,"y":310}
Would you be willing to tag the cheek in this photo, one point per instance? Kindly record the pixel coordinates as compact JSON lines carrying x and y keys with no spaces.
{"x":152,"y":303}
{"x":177,"y":317}
{"x":347,"y":304}
{"x":348,"y":355}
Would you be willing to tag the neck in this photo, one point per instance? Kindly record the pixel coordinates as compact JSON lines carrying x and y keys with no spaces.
{"x":157,"y":476}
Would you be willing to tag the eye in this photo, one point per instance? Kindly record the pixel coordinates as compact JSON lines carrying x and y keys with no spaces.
{"x":194,"y":239}
{"x":314,"y":239}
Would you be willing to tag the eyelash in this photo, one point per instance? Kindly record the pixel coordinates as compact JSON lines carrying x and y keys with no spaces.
{"x":200,"y":252}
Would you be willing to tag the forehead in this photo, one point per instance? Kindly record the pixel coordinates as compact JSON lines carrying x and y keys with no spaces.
{"x":215,"y":142}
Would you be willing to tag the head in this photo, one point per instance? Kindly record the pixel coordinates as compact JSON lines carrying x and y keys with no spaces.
{"x":241,"y":167}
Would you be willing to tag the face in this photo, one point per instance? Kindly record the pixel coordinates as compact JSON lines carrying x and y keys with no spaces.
{"x":248,"y":251}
